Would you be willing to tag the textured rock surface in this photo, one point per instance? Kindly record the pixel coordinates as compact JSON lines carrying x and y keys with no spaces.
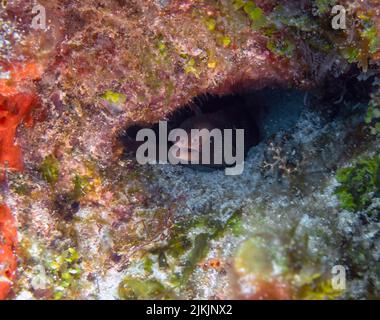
{"x":93,"y":224}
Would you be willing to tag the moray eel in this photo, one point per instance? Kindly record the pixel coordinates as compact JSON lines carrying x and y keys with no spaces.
{"x":229,"y":118}
{"x":225,"y":114}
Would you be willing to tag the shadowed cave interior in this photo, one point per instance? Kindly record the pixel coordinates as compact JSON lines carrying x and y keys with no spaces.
{"x":261,"y":113}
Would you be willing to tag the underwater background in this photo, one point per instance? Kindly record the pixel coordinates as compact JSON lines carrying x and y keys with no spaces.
{"x":81,"y":219}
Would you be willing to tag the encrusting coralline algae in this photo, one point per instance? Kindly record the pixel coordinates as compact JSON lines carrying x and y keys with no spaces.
{"x":92,"y":223}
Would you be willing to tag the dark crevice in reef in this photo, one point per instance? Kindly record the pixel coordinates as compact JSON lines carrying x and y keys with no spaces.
{"x":208,"y":112}
{"x":264,"y":113}
{"x":334,"y":96}
{"x":261,"y":113}
{"x":203,"y":105}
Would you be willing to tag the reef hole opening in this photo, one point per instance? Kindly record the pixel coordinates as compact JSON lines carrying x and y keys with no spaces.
{"x":261,"y":113}
{"x":247,"y":111}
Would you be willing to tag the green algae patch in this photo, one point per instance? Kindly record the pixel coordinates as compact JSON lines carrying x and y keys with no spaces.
{"x":114,"y":97}
{"x":197,"y":254}
{"x":253,"y":258}
{"x":82,"y":186}
{"x":317,"y":287}
{"x":190,"y":244}
{"x":223,"y":40}
{"x":370,"y":34}
{"x":22,"y":189}
{"x":215,"y":229}
{"x":210,"y":24}
{"x":254,"y":13}
{"x":324,"y":6}
{"x":281,"y":47}
{"x":359,"y":184}
{"x":200,"y":246}
{"x":139,"y":289}
{"x":191,"y":67}
{"x":65,"y":270}
{"x":50,"y":169}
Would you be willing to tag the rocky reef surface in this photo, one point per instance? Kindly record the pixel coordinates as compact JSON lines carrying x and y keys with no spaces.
{"x":93,"y":224}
